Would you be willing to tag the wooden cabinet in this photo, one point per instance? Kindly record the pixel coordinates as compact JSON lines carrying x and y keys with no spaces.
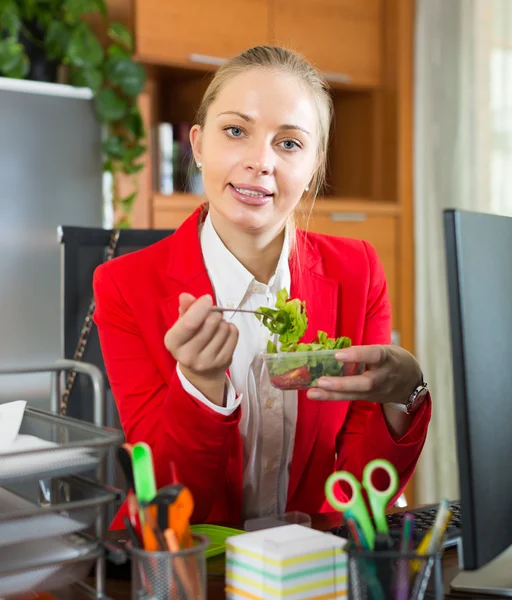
{"x":381,"y":231}
{"x":195,"y":31}
{"x":342,"y":38}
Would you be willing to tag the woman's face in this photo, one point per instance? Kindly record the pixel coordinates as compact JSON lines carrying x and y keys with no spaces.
{"x":258,"y":149}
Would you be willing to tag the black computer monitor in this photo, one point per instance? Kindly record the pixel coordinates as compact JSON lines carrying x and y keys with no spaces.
{"x":479,"y":270}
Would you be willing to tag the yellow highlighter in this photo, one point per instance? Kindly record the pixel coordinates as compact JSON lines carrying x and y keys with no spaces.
{"x":434,"y":537}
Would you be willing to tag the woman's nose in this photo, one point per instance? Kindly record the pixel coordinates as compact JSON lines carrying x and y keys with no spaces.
{"x":259,"y":158}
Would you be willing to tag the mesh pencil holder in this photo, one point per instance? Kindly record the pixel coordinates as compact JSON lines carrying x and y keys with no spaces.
{"x":393,"y":575}
{"x":158,"y":575}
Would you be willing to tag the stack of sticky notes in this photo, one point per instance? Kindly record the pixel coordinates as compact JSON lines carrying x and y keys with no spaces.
{"x":292,"y":562}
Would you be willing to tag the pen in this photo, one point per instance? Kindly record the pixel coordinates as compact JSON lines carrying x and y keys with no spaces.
{"x":355,"y":531}
{"x":179,"y":563}
{"x":433,"y":538}
{"x":402,"y":581}
{"x":383,"y":544}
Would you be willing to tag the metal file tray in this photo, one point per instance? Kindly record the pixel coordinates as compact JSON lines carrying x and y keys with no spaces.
{"x":46,"y":564}
{"x":65,"y":446}
{"x":32,"y":510}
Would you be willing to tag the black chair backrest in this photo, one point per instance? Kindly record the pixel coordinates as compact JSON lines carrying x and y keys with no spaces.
{"x":83,"y":249}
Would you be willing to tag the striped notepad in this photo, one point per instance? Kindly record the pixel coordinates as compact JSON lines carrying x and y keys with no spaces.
{"x":292,"y":562}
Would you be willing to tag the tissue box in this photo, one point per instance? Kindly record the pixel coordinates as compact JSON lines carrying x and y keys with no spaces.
{"x":292,"y":562}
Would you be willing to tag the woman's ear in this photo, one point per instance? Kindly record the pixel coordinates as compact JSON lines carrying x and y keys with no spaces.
{"x":196,"y":135}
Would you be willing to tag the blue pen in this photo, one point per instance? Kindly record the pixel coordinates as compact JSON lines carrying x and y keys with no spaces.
{"x":402,"y":580}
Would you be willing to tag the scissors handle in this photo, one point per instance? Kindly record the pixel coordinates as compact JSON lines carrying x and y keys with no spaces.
{"x":379,"y":499}
{"x":355,"y":504}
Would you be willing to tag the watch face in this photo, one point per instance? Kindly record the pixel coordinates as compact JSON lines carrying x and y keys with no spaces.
{"x":416,"y":403}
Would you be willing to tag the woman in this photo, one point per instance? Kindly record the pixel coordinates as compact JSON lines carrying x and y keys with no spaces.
{"x":189,"y":381}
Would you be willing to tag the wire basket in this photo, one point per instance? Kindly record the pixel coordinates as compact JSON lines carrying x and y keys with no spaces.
{"x":32,"y":510}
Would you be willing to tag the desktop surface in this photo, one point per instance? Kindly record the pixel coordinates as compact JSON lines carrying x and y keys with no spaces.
{"x":121,"y":589}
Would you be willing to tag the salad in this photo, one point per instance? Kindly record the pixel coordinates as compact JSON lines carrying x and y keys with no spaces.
{"x":295,"y":364}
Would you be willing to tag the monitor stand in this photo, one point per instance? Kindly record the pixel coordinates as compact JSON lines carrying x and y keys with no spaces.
{"x":494,"y":578}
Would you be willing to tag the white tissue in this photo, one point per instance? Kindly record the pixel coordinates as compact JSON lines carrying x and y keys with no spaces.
{"x":11,"y":416}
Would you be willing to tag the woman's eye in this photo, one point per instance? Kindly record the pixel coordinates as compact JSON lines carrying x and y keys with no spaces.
{"x":234,"y":131}
{"x":290,"y":145}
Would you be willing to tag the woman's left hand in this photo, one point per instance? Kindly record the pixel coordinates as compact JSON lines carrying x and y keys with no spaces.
{"x":391,"y":376}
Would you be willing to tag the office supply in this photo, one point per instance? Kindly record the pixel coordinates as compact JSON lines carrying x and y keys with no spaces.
{"x":45,"y":564}
{"x":217,"y":534}
{"x":143,"y":472}
{"x":358,"y":539}
{"x":479,"y":271}
{"x":134,"y":538}
{"x":379,"y":499}
{"x":134,"y":513}
{"x":65,"y":440}
{"x":124,"y":456}
{"x":406,"y":547}
{"x":383,"y":575}
{"x":179,"y":574}
{"x":286,"y":562}
{"x":66,"y":505}
{"x":11,"y":416}
{"x":177,"y":504}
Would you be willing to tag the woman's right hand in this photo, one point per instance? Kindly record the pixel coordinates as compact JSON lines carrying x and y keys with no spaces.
{"x":203,"y":343}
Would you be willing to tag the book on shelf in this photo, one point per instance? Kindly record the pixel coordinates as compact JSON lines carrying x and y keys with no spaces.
{"x":175,"y":169}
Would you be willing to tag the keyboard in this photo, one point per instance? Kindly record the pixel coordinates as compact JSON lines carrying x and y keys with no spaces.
{"x":423,"y":520}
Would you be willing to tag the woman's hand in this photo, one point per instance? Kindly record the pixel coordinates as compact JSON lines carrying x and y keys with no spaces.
{"x":203,"y":343}
{"x":391,"y":376}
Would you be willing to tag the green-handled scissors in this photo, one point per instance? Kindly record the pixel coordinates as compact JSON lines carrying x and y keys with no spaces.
{"x":379,"y":499}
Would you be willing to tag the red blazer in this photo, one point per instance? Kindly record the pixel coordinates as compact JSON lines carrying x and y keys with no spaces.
{"x":343,"y":284}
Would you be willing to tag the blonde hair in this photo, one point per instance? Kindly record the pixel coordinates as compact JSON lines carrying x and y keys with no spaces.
{"x":276,"y":58}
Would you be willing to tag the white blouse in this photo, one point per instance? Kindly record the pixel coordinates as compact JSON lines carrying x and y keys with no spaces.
{"x":269,"y":415}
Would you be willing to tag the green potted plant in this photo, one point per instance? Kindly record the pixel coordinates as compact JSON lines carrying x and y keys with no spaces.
{"x":38,"y":35}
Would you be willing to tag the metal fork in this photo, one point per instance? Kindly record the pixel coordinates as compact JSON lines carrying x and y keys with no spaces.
{"x":241,"y":310}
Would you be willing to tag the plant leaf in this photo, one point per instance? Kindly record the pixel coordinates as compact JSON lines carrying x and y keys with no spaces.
{"x":74,"y":9}
{"x":57,"y":40}
{"x":124,"y":223}
{"x":131,"y":169}
{"x":115,"y":50}
{"x":10,"y":17}
{"x":121,"y":35}
{"x":91,"y":78}
{"x":113,"y":147}
{"x":127,"y":203}
{"x":13,"y":60}
{"x":126,"y":74}
{"x":29,"y":10}
{"x":133,"y":122}
{"x":84,"y":48}
{"x":109,"y":106}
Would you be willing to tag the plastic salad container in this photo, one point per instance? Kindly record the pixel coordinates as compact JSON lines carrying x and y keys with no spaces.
{"x":301,"y":370}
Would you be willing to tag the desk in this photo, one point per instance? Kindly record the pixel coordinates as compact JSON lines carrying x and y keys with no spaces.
{"x":121,"y":590}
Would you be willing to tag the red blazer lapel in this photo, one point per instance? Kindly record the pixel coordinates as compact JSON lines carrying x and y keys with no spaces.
{"x":188,"y":272}
{"x":320,"y":293}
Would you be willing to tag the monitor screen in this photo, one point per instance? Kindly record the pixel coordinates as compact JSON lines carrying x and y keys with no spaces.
{"x":479,"y":269}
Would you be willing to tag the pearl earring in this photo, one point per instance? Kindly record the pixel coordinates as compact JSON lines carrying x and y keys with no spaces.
{"x":199,"y":165}
{"x":306,"y":189}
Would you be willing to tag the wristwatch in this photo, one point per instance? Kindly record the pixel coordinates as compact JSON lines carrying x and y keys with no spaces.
{"x":415,"y":399}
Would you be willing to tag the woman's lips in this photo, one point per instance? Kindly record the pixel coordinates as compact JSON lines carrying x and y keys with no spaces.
{"x":251,"y":195}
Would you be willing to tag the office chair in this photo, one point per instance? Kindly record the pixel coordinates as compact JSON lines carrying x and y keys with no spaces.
{"x":83,"y":249}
